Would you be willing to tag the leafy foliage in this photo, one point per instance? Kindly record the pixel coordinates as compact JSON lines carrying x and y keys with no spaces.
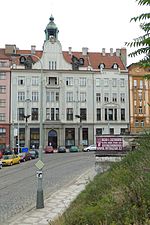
{"x":142,"y":42}
{"x":119,"y":196}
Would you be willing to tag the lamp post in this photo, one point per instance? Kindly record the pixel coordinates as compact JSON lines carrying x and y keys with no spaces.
{"x":40,"y":164}
{"x":80,"y":132}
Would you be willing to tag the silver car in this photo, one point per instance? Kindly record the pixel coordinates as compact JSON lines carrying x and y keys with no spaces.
{"x":90,"y":148}
{"x":1,"y":165}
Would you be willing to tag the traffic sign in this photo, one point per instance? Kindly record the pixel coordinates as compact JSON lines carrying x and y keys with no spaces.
{"x":39,"y":164}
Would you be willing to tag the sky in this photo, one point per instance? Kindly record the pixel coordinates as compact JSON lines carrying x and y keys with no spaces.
{"x":94,"y":24}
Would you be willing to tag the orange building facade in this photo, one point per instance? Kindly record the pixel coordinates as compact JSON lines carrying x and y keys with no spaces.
{"x":139,"y":99}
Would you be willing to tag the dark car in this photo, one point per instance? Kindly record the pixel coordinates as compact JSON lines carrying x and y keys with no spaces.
{"x":24,"y":156}
{"x":74,"y":149}
{"x":61,"y":149}
{"x":34,"y":153}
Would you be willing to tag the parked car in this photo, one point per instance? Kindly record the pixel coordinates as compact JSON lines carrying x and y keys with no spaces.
{"x":1,"y":154}
{"x":49,"y":149}
{"x":1,"y":165}
{"x":34,"y":153}
{"x":61,"y":149}
{"x":9,"y":160}
{"x":90,"y":148}
{"x":74,"y":149}
{"x":24,"y":156}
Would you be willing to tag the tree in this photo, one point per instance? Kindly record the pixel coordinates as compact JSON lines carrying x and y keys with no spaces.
{"x":142,"y":43}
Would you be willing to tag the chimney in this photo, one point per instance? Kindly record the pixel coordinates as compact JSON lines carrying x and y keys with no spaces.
{"x":103,"y":51}
{"x":124,"y":56}
{"x":118,"y":52}
{"x":33,"y":49}
{"x":111,"y":51}
{"x":10,"y":49}
{"x":70,"y":50}
{"x":84,"y":51}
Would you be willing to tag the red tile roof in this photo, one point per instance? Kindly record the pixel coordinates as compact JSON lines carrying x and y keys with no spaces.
{"x":94,"y":59}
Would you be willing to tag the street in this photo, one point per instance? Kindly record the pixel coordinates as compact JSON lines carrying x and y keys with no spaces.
{"x":18,"y":183}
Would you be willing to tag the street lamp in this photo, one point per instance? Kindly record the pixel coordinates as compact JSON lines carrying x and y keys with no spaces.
{"x":40,"y":164}
{"x":79,"y":132}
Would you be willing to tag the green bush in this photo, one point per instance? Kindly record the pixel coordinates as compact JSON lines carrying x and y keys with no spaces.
{"x":120,"y":196}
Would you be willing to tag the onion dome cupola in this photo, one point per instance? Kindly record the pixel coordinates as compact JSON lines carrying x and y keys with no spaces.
{"x":51,"y":29}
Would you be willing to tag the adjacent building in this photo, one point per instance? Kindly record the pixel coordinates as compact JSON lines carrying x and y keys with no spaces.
{"x":5,"y":90}
{"x":139,"y":99}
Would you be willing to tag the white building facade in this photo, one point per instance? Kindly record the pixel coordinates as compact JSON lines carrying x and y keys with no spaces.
{"x":83,"y":94}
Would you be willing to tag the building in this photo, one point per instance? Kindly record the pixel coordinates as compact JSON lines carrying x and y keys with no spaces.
{"x":5,"y":79}
{"x":83,"y":94}
{"x":139,"y":99}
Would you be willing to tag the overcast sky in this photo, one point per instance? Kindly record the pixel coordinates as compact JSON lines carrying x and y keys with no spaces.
{"x":95,"y":24}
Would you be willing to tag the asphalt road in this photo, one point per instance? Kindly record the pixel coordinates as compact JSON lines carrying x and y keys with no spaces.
{"x":18,"y":183}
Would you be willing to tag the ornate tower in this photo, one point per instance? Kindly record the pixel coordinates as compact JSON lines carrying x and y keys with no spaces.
{"x":51,"y":29}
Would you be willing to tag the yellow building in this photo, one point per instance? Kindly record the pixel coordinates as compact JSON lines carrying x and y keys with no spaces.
{"x":139,"y":98}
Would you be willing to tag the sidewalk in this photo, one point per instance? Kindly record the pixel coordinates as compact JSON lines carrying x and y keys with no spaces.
{"x":56,"y":204}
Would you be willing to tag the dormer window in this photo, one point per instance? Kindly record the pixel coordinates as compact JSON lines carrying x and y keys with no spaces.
{"x":101,"y":66}
{"x":81,"y":61}
{"x":115,"y":66}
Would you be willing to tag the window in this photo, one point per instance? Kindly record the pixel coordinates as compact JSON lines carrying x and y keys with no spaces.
{"x":57,"y":96}
{"x":142,"y":123}
{"x":82,"y":96}
{"x":57,"y":113}
{"x":122,"y":114}
{"x":98,"y":82}
{"x":106,"y":97}
{"x":83,"y":113}
{"x":98,"y":131}
{"x":52,"y":113}
{"x":2,"y":89}
{"x":140,"y":110}
{"x":98,"y":97}
{"x":140,"y":94}
{"x":141,"y":84}
{"x":98,"y":114}
{"x":35,"y":96}
{"x":52,"y":65}
{"x":106,"y":82}
{"x":69,"y":97}
{"x":21,"y":113}
{"x":111,"y":131}
{"x":114,"y":97}
{"x":115,"y":66}
{"x":114,"y":82}
{"x":69,"y":81}
{"x":2,"y":103}
{"x":82,"y":81}
{"x":2,"y":116}
{"x":2,"y":132}
{"x":52,"y":98}
{"x":135,"y":83}
{"x":136,"y":123}
{"x":21,"y":96}
{"x":122,"y":82}
{"x":21,"y":80}
{"x":69,"y":113}
{"x":34,"y":115}
{"x":122,"y":97}
{"x":35,"y":81}
{"x":2,"y":75}
{"x":47,"y":113}
{"x":51,"y":81}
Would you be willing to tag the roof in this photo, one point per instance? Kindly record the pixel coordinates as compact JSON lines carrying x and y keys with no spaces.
{"x":93,"y":59}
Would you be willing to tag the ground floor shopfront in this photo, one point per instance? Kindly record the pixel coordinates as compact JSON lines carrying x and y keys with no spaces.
{"x":64,"y":134}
